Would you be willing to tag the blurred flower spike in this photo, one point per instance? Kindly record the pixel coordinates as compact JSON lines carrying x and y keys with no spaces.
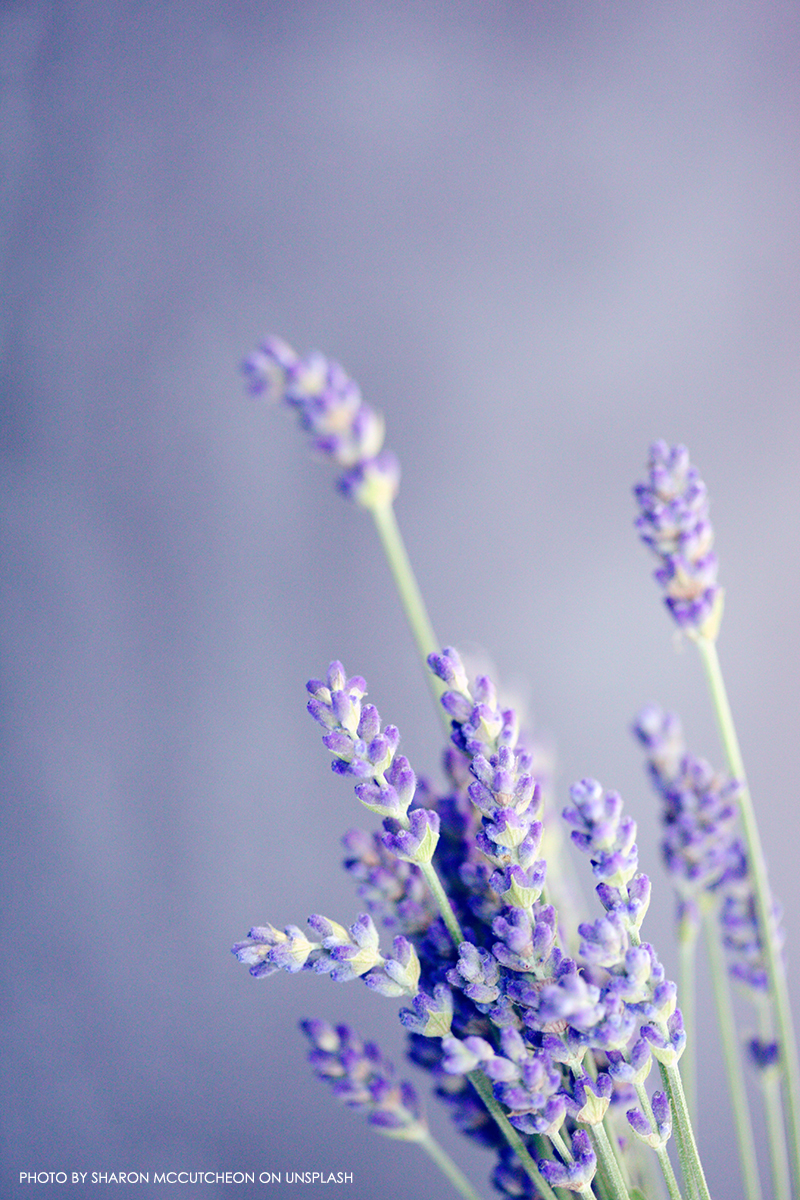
{"x":330,"y":408}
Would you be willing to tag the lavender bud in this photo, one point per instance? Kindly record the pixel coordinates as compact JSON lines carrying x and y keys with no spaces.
{"x":635,"y":1068}
{"x":578,"y":1175}
{"x":462,"y":1057}
{"x":417,"y":843}
{"x":763,"y":1054}
{"x":430,"y":1016}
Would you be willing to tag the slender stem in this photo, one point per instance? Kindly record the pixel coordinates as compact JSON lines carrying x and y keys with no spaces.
{"x":737,"y":1086}
{"x":440,"y":896}
{"x":484,"y":1089}
{"x":771,"y":1089}
{"x":410,"y":595}
{"x":763,"y":901}
{"x":607,"y":1159}
{"x":688,"y":993}
{"x":446,"y":1165}
{"x":687,"y":1165}
{"x":687,"y":1146}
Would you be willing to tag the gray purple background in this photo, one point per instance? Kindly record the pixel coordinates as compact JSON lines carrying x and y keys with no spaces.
{"x":539,"y":235}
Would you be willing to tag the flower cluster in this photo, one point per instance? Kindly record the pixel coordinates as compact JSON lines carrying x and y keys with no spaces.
{"x":362,"y":750}
{"x":674,"y":523}
{"x":540,"y":1033}
{"x":363,"y":1079}
{"x":504,"y":790}
{"x":704,"y":854}
{"x":344,"y":954}
{"x":330,"y":407}
{"x":698,"y":814}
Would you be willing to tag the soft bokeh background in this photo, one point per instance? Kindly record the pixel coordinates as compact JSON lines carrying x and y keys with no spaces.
{"x":539,"y":235}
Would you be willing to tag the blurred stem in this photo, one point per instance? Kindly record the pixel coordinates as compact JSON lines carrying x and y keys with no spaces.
{"x":446,"y":1165}
{"x":787,"y":1041}
{"x":687,"y":943}
{"x":771,"y":1089}
{"x":737,"y":1086}
{"x":410,"y":596}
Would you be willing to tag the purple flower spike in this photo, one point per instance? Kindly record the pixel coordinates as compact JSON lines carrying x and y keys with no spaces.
{"x":363,"y":1079}
{"x":674,"y":523}
{"x":267,"y":950}
{"x":330,"y":408}
{"x":609,"y":838}
{"x":700,"y":846}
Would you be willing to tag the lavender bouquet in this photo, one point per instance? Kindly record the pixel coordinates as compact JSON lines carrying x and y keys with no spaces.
{"x":559,"y":1043}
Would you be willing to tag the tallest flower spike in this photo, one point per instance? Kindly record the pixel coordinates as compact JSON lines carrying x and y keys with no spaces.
{"x":347,"y":430}
{"x":330,"y":407}
{"x":674,"y":522}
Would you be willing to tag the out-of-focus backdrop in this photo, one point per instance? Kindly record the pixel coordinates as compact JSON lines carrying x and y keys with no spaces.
{"x":540,"y":235}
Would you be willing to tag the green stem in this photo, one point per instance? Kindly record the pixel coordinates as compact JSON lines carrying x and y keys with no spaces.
{"x":410,"y":595}
{"x":607,"y":1160}
{"x":688,"y":993}
{"x":763,"y":900}
{"x":446,"y":1165}
{"x":737,"y":1085}
{"x":771,"y":1089}
{"x":687,"y":1146}
{"x":440,"y":896}
{"x":484,"y":1089}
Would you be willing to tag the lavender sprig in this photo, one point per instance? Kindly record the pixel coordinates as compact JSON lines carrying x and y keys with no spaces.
{"x":345,"y":429}
{"x":331,"y":409}
{"x":363,"y":1079}
{"x":343,"y":954}
{"x":362,"y":750}
{"x":709,"y":868}
{"x":635,"y":979}
{"x":673,"y":504}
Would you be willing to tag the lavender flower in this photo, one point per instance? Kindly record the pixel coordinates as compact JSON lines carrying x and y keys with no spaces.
{"x":578,"y":1174}
{"x":392,"y":889}
{"x":504,"y":789}
{"x":644,"y":1129}
{"x":609,"y":838}
{"x":344,"y":954}
{"x":674,"y":523}
{"x":699,"y":813}
{"x":363,"y":1079}
{"x":329,"y":404}
{"x":700,"y":846}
